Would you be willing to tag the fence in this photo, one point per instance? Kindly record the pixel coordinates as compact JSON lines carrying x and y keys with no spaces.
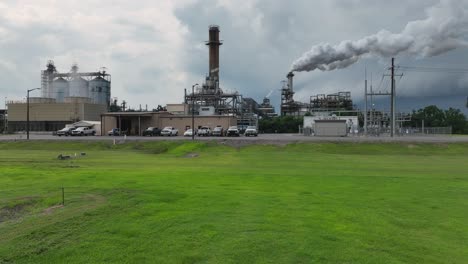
{"x":404,"y":131}
{"x":425,"y":131}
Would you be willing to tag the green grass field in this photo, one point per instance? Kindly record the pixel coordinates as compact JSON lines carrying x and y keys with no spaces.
{"x":182,"y":202}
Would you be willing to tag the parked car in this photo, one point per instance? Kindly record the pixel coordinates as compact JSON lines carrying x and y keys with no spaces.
{"x":218,"y":131}
{"x":84,"y":131}
{"x":232,"y":131}
{"x":67,"y":131}
{"x":204,"y":132}
{"x":152,"y":131}
{"x":169,"y":131}
{"x":188,"y":133}
{"x":251,"y":131}
{"x":114,"y":132}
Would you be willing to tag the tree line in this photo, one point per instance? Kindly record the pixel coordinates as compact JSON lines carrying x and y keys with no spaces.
{"x":432,"y":116}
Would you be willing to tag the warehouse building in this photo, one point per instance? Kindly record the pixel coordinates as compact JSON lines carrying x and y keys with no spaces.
{"x":134,"y":123}
{"x":48,"y":115}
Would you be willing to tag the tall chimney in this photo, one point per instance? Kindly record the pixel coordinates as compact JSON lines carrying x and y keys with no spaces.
{"x":290,"y":80}
{"x":214,"y":44}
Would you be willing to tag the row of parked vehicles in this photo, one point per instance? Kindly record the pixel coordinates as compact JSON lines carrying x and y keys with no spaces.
{"x":232,"y":131}
{"x":204,"y":131}
{"x":76,"y":131}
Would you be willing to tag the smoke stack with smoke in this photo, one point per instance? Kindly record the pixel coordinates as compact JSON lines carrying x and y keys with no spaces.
{"x":443,"y":30}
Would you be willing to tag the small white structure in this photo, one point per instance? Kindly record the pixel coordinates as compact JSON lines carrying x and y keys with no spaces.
{"x":207,"y":111}
{"x":330,"y":128}
{"x":310,"y":124}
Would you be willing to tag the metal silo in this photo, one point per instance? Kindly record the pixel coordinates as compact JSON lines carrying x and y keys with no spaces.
{"x":60,"y":89}
{"x":99,"y":90}
{"x":78,"y":87}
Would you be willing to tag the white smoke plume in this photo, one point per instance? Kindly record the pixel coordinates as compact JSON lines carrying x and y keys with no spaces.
{"x":443,"y":30}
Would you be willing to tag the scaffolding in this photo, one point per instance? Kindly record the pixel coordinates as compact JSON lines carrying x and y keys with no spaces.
{"x":340,"y":101}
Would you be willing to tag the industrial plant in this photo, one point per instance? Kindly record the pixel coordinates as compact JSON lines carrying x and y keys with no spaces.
{"x":94,"y":87}
{"x":318,"y":104}
{"x":65,"y":98}
{"x":76,"y":97}
{"x":209,"y":98}
{"x":206,"y":104}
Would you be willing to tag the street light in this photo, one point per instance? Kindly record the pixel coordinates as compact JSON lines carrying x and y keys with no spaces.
{"x":27,"y":111}
{"x":4,"y":117}
{"x":193,"y":111}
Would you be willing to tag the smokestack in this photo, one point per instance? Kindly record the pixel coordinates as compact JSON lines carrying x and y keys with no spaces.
{"x":214,"y":44}
{"x":290,"y":80}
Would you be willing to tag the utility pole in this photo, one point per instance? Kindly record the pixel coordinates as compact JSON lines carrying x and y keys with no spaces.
{"x":371,"y":106}
{"x":27,"y":111}
{"x":365,"y":105}
{"x":392,"y":131}
{"x":193,"y":111}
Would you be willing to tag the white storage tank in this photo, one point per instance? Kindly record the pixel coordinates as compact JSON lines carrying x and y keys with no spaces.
{"x":60,"y":89}
{"x":78,"y":87}
{"x":99,"y":91}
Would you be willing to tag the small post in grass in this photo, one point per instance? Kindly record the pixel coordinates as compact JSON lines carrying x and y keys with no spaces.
{"x":63,"y":196}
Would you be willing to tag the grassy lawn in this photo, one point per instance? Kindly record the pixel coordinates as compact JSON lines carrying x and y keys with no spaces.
{"x":179,"y":202}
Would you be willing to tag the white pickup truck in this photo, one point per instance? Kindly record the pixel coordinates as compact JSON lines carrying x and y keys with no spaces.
{"x":169,"y":131}
{"x":84,"y":131}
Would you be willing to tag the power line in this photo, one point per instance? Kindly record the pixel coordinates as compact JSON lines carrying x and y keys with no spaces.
{"x":433,"y":69}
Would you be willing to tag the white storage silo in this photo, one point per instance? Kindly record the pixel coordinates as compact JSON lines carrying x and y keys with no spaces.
{"x":60,"y":89}
{"x":78,"y":87}
{"x":99,"y":90}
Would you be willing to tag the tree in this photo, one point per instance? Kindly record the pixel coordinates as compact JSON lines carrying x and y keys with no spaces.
{"x":280,"y":124}
{"x":456,"y":119}
{"x":435,"y":117}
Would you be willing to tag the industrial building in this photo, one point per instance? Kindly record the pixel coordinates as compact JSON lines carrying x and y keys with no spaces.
{"x":65,"y":98}
{"x":48,"y":115}
{"x":340,"y":101}
{"x":266,"y":109}
{"x":93,"y":85}
{"x":3,"y":120}
{"x":327,"y":124}
{"x":210,"y":99}
{"x":134,"y":123}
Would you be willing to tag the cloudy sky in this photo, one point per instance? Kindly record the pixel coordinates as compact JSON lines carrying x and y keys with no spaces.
{"x":155,"y":49}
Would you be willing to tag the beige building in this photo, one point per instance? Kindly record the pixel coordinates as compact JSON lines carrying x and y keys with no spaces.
{"x":178,"y":109}
{"x":47,"y":115}
{"x":134,"y":123}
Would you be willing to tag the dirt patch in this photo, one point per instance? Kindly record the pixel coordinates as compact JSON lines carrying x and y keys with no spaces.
{"x":51,"y":209}
{"x":411,"y":146}
{"x":71,"y":166}
{"x":238,"y":143}
{"x":191,"y":155}
{"x":15,"y":211}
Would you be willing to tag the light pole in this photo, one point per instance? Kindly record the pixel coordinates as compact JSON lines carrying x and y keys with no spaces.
{"x":193,"y":111}
{"x":4,"y":117}
{"x":27,"y":111}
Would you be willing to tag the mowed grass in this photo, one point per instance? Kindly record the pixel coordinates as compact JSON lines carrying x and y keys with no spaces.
{"x":183,"y":202}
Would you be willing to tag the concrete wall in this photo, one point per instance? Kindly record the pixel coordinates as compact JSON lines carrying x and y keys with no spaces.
{"x":56,"y":111}
{"x":92,"y":112}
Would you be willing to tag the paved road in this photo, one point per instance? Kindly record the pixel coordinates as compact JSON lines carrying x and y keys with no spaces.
{"x":264,"y":138}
